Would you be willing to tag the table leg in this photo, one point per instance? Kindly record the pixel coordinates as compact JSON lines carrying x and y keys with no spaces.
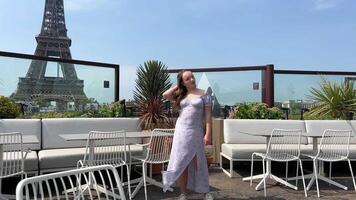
{"x":1,"y":158}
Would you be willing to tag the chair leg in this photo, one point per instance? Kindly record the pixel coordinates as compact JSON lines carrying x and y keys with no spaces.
{"x":352,"y":174}
{"x":264,"y":177}
{"x":287,"y":171}
{"x":330,"y":171}
{"x":296,"y":180}
{"x":231,"y":168}
{"x":316,"y":176}
{"x":220,"y":161}
{"x":128,"y":181}
{"x":251,"y":169}
{"x":144,"y":178}
{"x":301,"y":171}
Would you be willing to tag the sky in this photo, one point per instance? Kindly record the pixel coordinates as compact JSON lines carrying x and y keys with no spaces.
{"x":291,"y":34}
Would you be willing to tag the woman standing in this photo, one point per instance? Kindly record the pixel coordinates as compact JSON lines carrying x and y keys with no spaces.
{"x":193,"y":129}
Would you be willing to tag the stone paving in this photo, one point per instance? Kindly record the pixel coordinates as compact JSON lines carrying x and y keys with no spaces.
{"x":223,"y":187}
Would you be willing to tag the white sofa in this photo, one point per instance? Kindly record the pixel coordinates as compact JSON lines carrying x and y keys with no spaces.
{"x":238,"y":146}
{"x":318,"y":127}
{"x":58,"y":154}
{"x":26,"y":127}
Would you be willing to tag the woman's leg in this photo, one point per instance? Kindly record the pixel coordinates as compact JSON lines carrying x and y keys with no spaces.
{"x":183,"y":179}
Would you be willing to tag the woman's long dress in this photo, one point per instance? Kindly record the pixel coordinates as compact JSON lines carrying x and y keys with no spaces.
{"x":188,"y":142}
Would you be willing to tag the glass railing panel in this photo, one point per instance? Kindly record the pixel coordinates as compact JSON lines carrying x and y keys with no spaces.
{"x":228,"y":88}
{"x":292,"y":92}
{"x":47,"y":86}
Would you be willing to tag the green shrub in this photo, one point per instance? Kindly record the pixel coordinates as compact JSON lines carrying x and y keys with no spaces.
{"x":256,"y":111}
{"x":8,"y":108}
{"x":111,"y":110}
{"x":57,"y":115}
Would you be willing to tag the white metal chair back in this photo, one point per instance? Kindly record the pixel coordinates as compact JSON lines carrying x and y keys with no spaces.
{"x":160,"y":145}
{"x":12,"y":155}
{"x":53,"y":186}
{"x":284,"y":144}
{"x":335,"y":144}
{"x":106,"y":148}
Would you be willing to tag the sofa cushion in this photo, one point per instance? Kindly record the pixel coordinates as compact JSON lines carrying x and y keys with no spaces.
{"x":319,"y":126}
{"x":60,"y":158}
{"x":352,"y":155}
{"x":234,"y":127}
{"x":244,"y":151}
{"x":31,"y":161}
{"x":68,"y":157}
{"x":24,"y":126}
{"x":52,"y":128}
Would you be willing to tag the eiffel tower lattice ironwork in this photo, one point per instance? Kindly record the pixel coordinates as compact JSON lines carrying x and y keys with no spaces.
{"x":52,"y":41}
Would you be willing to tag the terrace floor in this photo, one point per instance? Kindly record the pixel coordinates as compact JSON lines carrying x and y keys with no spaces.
{"x":225,"y":188}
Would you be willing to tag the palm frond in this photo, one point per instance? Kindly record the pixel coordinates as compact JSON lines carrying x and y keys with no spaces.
{"x":337,"y":100}
{"x":152,"y":80}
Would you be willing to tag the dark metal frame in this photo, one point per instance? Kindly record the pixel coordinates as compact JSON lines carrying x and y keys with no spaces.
{"x":267,"y":78}
{"x":116,"y":67}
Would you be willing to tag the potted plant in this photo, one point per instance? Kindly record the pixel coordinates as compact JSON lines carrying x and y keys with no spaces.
{"x":335,"y":100}
{"x":152,"y":80}
{"x":209,"y":153}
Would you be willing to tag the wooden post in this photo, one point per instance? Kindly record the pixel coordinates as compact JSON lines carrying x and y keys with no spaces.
{"x":217,"y":137}
{"x":268,"y":85}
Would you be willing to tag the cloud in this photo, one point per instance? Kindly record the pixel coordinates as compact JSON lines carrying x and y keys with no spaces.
{"x":324,"y":4}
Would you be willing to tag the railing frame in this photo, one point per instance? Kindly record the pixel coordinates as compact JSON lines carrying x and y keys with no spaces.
{"x":116,"y":67}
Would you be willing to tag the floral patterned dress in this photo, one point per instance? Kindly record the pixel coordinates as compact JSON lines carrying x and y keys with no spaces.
{"x":188,"y":141}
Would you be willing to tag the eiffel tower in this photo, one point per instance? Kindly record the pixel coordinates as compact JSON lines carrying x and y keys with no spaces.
{"x":52,"y":41}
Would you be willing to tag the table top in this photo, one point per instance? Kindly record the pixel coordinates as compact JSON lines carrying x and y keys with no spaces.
{"x":84,"y":136}
{"x":268,"y":134}
{"x":26,"y":139}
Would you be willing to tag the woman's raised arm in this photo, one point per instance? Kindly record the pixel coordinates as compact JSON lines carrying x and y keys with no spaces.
{"x":169,"y":94}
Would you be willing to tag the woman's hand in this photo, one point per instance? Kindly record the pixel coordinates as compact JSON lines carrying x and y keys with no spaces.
{"x":169,"y":94}
{"x":207,"y":140}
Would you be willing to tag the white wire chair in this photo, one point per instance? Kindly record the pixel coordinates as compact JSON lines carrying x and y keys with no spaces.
{"x":334,"y":146}
{"x":12,"y":158}
{"x":107,"y":148}
{"x":158,"y":152}
{"x":283,"y":146}
{"x":53,"y":186}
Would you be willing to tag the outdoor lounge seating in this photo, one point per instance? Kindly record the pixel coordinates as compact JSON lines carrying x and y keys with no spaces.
{"x":334,"y":147}
{"x":107,"y":148}
{"x":238,"y":146}
{"x":53,"y":153}
{"x":158,"y":152}
{"x":12,"y":157}
{"x":283,"y":146}
{"x":55,"y":185}
{"x":25,"y":127}
{"x":58,"y":154}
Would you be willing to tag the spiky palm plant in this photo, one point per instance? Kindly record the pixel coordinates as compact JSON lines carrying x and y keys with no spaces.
{"x":338,"y":101}
{"x":152,"y":80}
